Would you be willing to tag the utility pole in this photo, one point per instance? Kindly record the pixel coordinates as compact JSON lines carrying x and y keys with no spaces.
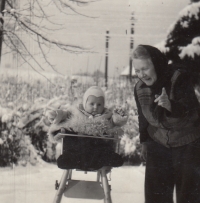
{"x":131,"y":46}
{"x":106,"y":59}
{"x":2,"y":7}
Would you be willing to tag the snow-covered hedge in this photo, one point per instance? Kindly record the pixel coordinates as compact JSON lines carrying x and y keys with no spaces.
{"x":23,"y":135}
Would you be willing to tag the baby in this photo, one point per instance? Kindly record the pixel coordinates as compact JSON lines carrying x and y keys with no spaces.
{"x":90,"y":118}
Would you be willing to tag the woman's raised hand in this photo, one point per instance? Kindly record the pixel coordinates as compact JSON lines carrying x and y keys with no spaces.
{"x":163,"y":100}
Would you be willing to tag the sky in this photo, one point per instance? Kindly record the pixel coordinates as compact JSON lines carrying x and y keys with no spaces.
{"x":152,"y":20}
{"x":154,"y":17}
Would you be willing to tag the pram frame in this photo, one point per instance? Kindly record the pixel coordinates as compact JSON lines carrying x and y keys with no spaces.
{"x":101,"y":173}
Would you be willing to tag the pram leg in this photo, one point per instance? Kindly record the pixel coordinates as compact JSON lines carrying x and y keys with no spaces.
{"x":98,"y":176}
{"x":70,"y":174}
{"x":62,"y":186}
{"x":106,"y":187}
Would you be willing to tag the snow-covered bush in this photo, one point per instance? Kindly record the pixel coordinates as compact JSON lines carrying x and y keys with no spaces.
{"x":22,"y":116}
{"x":129,"y":144}
{"x":10,"y":147}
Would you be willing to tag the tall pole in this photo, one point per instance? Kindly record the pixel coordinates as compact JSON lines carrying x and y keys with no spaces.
{"x":106,"y":59}
{"x":131,"y":46}
{"x":2,"y":7}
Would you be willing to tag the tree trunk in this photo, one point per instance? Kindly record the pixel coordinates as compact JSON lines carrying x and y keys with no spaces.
{"x":2,"y":7}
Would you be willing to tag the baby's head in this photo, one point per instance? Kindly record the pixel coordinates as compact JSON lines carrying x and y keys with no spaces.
{"x":93,"y":100}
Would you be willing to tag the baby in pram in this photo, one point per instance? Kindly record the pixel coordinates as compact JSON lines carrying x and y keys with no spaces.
{"x":90,"y":118}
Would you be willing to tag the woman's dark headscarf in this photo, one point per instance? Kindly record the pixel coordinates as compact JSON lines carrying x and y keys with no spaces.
{"x":163,"y":73}
{"x":159,"y":61}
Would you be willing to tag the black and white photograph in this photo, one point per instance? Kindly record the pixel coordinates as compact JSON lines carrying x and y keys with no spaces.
{"x":100,"y":101}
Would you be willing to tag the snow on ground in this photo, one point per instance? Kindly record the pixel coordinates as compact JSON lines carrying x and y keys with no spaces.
{"x":33,"y":184}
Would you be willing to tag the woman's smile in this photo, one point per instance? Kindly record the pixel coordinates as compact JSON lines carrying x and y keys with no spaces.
{"x":145,"y":70}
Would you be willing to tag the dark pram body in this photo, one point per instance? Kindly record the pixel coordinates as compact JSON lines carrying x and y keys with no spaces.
{"x":88,"y":154}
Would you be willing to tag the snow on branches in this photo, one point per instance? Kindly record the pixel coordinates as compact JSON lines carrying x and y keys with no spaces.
{"x":191,"y":49}
{"x":161,"y":46}
{"x":190,"y":11}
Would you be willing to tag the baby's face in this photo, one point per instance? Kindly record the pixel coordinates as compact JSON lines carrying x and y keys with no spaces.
{"x":94,"y":105}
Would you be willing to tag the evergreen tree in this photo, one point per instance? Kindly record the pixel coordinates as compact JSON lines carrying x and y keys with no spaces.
{"x":183,"y":41}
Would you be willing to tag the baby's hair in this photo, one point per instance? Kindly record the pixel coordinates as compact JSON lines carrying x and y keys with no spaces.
{"x":140,"y":53}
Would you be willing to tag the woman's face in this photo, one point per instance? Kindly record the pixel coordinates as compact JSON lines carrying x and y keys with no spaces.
{"x":145,"y":70}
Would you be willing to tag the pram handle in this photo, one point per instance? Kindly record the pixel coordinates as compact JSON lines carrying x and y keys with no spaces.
{"x":89,"y":136}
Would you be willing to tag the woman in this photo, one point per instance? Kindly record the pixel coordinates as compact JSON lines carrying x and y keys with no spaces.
{"x":169,"y":127}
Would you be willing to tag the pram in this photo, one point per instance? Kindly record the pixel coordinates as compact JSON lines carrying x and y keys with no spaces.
{"x":72,"y":188}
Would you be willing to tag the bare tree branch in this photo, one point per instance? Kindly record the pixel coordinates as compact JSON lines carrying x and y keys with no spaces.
{"x":44,"y":56}
{"x":25,"y":49}
{"x":32,"y":19}
{"x":67,"y":5}
{"x":30,"y":63}
{"x":44,"y":37}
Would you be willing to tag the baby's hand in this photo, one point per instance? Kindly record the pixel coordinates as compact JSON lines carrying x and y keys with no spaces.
{"x":120,"y":110}
{"x":120,"y":116}
{"x":51,"y":115}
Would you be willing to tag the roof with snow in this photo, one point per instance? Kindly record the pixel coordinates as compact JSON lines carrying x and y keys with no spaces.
{"x":126,"y":70}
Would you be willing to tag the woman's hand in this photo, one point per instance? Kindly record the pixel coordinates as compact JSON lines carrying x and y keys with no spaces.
{"x":143,"y":155}
{"x":163,"y":100}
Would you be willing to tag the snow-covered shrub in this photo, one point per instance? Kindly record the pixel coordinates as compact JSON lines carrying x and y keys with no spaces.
{"x":9,"y":149}
{"x":117,"y":95}
{"x":22,"y":115}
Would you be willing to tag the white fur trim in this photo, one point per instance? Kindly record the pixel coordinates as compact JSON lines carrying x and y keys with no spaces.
{"x":83,"y":125}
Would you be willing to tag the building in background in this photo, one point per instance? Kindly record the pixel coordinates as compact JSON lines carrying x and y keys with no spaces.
{"x":125,"y":73}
